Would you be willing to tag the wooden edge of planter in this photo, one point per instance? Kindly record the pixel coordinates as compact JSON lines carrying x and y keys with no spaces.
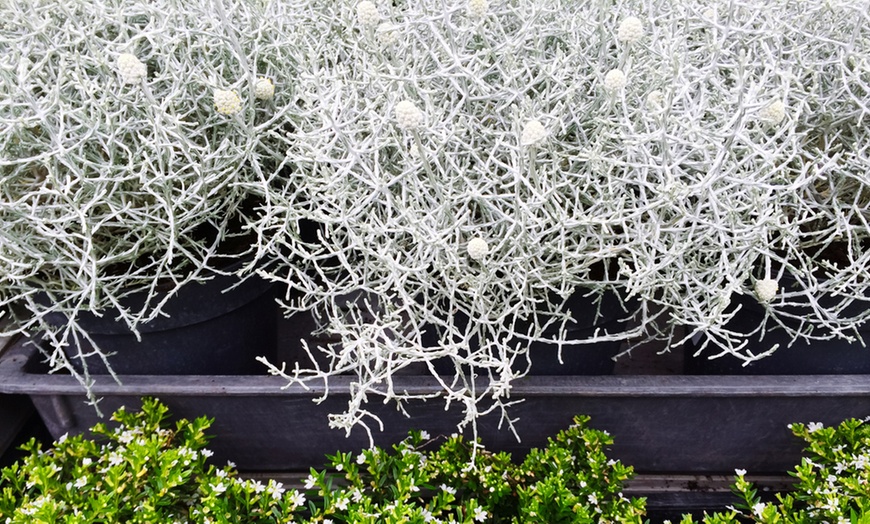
{"x":14,"y":379}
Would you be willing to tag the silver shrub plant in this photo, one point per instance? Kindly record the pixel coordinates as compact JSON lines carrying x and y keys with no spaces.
{"x":469,"y":164}
{"x":130,"y":137}
{"x":745,"y":129}
{"x":448,"y":153}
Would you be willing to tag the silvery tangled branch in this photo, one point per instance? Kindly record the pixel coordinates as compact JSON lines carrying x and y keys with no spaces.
{"x":127,"y":131}
{"x":471,"y":165}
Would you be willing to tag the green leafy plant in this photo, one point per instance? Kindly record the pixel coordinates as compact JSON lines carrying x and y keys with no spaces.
{"x":833,"y":481}
{"x":145,"y":470}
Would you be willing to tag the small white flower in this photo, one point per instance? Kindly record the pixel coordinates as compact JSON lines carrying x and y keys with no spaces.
{"x":740,"y":472}
{"x":132,"y":71}
{"x":219,"y":488}
{"x":310,"y":482}
{"x":533,"y":133}
{"x":297,"y":499}
{"x":630,"y":30}
{"x":264,"y":89}
{"x":477,"y":8}
{"x":367,"y":13}
{"x":477,"y":248}
{"x":360,"y":459}
{"x":765,"y":289}
{"x":615,"y":80}
{"x":758,"y":508}
{"x":81,"y":482}
{"x":480,"y":514}
{"x":773,"y":113}
{"x":408,"y":117}
{"x":387,"y":34}
{"x":447,"y":489}
{"x":207,"y":453}
{"x":425,"y":435}
{"x":812,"y":427}
{"x":227,"y":102}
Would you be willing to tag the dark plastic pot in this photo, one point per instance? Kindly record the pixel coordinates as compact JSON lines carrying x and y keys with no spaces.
{"x":822,"y":357}
{"x":581,"y":359}
{"x":576,"y":359}
{"x":210,"y":328}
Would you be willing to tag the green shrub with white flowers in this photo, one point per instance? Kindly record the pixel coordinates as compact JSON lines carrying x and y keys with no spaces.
{"x":833,"y":482}
{"x":146,"y":470}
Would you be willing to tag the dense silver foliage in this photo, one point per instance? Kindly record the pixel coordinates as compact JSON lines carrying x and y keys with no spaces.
{"x":122,"y":169}
{"x":471,"y":165}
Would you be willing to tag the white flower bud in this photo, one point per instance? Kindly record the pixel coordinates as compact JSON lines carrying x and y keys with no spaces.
{"x":132,"y":71}
{"x":477,"y":248}
{"x":227,"y":102}
{"x":655,"y":100}
{"x":367,"y":13}
{"x":615,"y":80}
{"x":264,"y":89}
{"x":387,"y":34}
{"x":477,"y":8}
{"x":773,"y":113}
{"x":630,"y":30}
{"x":766,"y":289}
{"x":533,"y":133}
{"x":407,"y":115}
{"x":709,"y":14}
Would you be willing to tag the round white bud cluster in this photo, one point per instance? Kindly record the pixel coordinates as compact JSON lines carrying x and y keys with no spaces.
{"x":227,"y":102}
{"x":477,"y":248}
{"x":766,"y":289}
{"x":655,"y":100}
{"x":615,"y":80}
{"x":132,"y":71}
{"x":408,"y":117}
{"x":773,"y":113}
{"x":367,"y":13}
{"x":630,"y":30}
{"x":387,"y":34}
{"x":477,"y":8}
{"x":533,"y":133}
{"x":264,"y":89}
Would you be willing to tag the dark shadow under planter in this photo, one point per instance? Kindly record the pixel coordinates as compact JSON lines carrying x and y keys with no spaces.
{"x":217,"y":327}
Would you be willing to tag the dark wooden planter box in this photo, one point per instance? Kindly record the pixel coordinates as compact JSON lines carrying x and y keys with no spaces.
{"x":661,"y":423}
